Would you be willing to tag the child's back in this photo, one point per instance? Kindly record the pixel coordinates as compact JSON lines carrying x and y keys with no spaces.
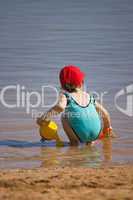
{"x":82,"y":115}
{"x":81,"y":97}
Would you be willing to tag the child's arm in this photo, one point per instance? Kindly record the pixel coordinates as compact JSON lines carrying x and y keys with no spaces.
{"x":55,"y":110}
{"x":107,"y":129}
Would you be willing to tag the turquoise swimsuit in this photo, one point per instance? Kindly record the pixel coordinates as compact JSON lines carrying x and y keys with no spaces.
{"x":84,"y":120}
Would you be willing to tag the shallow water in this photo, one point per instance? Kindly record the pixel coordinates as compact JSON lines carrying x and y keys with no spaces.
{"x":36,"y":39}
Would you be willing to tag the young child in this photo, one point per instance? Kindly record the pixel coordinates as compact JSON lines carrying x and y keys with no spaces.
{"x":83,"y":119}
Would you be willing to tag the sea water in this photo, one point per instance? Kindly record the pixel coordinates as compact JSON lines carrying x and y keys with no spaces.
{"x":37,"y":38}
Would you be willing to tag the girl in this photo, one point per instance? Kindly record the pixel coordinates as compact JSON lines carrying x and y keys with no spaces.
{"x":83,"y":120}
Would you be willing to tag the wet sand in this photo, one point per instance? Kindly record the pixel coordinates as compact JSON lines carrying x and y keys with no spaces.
{"x":114,"y":183}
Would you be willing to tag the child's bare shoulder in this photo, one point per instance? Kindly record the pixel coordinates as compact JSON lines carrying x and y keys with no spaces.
{"x":62,"y":95}
{"x":62,"y":100}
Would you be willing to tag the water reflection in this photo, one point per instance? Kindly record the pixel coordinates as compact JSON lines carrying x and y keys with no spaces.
{"x":49,"y":155}
{"x":24,"y":154}
{"x":107,"y":149}
{"x":87,"y":156}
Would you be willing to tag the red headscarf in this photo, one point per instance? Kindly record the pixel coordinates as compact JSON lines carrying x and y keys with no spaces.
{"x":71,"y":75}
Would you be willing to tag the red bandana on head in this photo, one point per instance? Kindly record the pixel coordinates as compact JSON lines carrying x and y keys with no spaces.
{"x":71,"y":75}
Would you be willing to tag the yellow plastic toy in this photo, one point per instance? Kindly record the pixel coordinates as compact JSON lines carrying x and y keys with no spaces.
{"x":48,"y":130}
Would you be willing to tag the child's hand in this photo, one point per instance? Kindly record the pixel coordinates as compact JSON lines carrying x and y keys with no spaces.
{"x":39,"y":121}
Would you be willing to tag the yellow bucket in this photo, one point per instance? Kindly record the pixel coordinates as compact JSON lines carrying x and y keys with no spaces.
{"x":48,"y":131}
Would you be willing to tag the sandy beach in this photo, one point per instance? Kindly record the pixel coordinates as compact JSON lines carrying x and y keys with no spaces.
{"x":114,"y":183}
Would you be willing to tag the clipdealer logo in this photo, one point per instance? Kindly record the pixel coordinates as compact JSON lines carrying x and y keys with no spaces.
{"x":24,"y":98}
{"x":128,"y":93}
